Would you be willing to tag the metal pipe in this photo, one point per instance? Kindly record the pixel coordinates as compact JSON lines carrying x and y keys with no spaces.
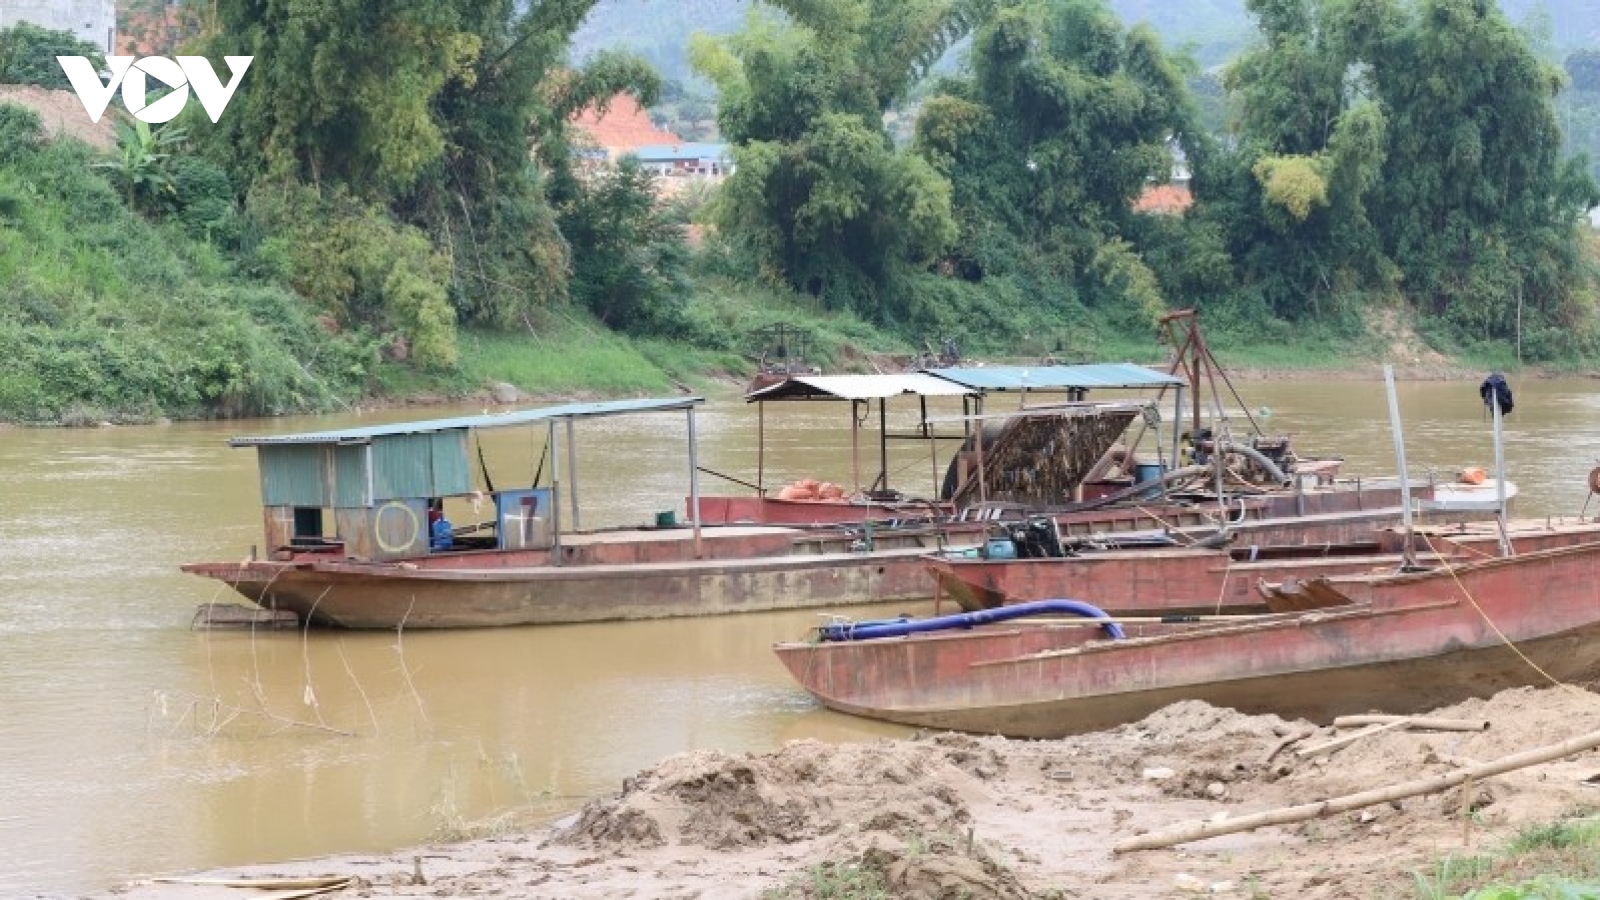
{"x":694,"y":485}
{"x":572,"y":476}
{"x":761,"y":448}
{"x":1400,"y":460}
{"x":1258,"y":456}
{"x":983,"y":485}
{"x":883,"y":447}
{"x":1177,"y":431}
{"x":1499,"y":476}
{"x":555,"y":495}
{"x":855,"y":446}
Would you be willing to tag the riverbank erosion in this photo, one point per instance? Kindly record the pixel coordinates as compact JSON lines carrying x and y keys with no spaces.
{"x":949,"y":815}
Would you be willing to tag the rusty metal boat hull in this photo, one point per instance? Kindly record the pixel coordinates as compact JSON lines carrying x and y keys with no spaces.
{"x":594,"y":578}
{"x":1199,"y":581}
{"x":653,"y":574}
{"x":1403,"y":643}
{"x":388,"y":596}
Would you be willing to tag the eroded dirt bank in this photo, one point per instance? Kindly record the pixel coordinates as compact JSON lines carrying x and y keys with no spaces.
{"x":947,"y":816}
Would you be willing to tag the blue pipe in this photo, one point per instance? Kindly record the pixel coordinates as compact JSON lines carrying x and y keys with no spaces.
{"x":880,"y":628}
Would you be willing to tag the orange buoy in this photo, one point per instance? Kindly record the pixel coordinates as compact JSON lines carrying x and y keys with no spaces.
{"x":1594,"y":480}
{"x":1472,"y":475}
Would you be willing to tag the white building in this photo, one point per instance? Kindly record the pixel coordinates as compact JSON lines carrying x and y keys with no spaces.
{"x":94,"y":21}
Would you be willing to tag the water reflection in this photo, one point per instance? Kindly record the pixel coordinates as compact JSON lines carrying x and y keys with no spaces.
{"x":133,"y":745}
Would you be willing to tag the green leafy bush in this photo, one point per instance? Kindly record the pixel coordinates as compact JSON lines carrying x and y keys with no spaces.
{"x":28,"y":55}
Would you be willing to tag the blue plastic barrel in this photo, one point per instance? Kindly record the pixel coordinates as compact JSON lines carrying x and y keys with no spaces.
{"x":1147,"y":472}
{"x":1000,"y":548}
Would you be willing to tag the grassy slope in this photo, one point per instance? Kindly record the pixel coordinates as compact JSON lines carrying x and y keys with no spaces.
{"x":107,"y":316}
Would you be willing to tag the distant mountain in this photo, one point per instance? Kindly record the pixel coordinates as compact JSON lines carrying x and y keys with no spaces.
{"x":1212,"y":30}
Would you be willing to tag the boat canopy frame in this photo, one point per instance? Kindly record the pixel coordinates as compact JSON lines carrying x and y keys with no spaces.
{"x":357,"y":468}
{"x":971,"y":383}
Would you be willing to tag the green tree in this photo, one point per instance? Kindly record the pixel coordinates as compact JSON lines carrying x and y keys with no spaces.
{"x":361,"y":268}
{"x":1477,"y":206}
{"x":1579,"y":108}
{"x":821,"y":199}
{"x":28,"y":55}
{"x":143,"y":166}
{"x":340,"y":92}
{"x":630,"y":261}
{"x":452,"y":115}
{"x":1387,"y":144}
{"x":1065,"y":119}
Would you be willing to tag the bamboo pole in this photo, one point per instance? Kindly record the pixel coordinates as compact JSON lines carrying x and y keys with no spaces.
{"x":1182,"y":834}
{"x":1421,"y":723}
{"x":1338,"y":742}
{"x":1298,"y":734}
{"x":1086,"y":621}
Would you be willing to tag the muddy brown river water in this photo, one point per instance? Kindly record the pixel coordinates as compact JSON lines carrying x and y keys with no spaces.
{"x":131,"y":744}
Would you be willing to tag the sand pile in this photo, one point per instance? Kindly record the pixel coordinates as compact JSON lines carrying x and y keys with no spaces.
{"x":946,"y":816}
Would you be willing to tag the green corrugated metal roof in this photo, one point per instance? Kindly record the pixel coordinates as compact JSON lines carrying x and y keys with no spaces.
{"x":496,"y":420}
{"x":1033,"y":378}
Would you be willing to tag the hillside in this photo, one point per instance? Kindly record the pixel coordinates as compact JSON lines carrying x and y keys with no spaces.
{"x":1212,"y":29}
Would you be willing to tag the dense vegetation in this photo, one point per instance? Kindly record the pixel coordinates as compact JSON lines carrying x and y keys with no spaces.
{"x":392,"y":199}
{"x":1382,"y":152}
{"x":106,"y":314}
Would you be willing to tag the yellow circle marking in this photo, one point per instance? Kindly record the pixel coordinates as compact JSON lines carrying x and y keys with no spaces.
{"x":377,"y":527}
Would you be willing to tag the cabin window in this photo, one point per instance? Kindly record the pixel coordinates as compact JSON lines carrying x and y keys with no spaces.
{"x":309,"y":524}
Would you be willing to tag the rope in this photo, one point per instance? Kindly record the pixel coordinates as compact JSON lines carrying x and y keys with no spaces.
{"x":1496,"y":628}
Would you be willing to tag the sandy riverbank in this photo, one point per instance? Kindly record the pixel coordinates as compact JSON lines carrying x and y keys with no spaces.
{"x":947,"y":816}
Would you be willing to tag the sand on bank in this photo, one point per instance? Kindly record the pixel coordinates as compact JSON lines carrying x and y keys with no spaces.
{"x":949,"y":815}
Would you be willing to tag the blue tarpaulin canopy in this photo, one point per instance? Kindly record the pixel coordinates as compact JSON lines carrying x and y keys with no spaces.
{"x":487,"y":420}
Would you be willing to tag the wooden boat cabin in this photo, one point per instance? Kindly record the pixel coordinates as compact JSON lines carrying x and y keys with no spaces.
{"x":373,"y":493}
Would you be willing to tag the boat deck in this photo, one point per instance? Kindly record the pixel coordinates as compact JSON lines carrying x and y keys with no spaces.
{"x":676,"y":533}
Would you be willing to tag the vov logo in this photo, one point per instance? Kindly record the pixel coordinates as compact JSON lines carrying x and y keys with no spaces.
{"x":187,"y":72}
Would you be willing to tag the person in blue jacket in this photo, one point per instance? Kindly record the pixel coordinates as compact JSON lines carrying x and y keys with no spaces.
{"x":440,"y":534}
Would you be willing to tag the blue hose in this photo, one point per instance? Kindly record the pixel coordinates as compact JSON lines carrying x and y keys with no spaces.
{"x":880,"y":628}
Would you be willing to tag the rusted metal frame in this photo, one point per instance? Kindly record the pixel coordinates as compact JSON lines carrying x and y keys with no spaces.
{"x":855,"y":447}
{"x":1177,"y":363}
{"x":983,"y":484}
{"x":1215,"y":367}
{"x":1177,"y":429}
{"x":1289,"y":620}
{"x":1182,"y":361}
{"x":883,"y":446}
{"x":1202,"y":354}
